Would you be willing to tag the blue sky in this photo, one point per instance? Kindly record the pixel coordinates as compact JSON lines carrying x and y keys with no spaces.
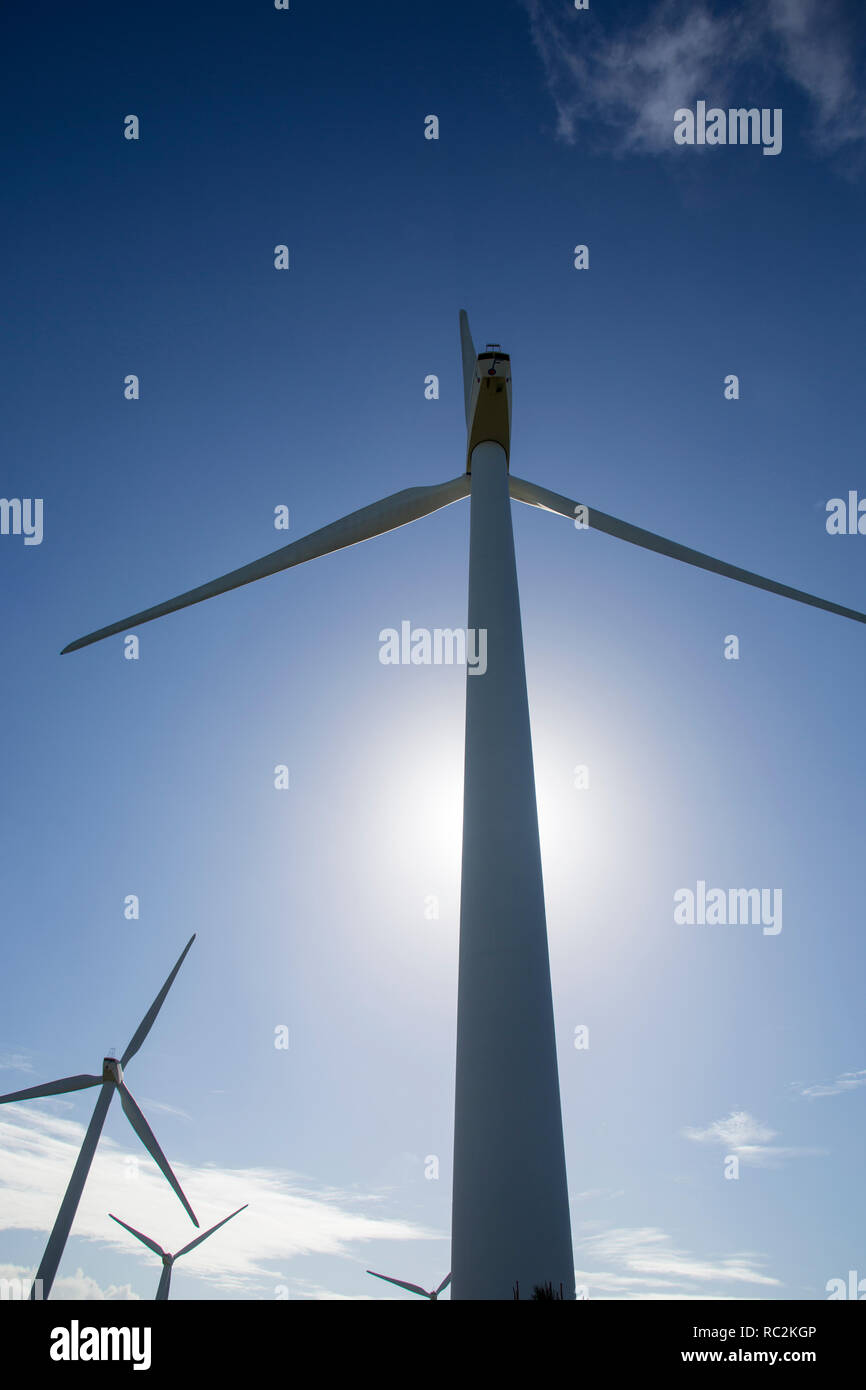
{"x":306,"y":388}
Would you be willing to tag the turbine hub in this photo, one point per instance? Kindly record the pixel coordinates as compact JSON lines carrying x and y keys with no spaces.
{"x":112,"y":1070}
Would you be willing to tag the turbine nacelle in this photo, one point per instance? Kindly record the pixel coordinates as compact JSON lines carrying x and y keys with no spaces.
{"x":486,"y":393}
{"x":112,"y":1070}
{"x":490,"y":403}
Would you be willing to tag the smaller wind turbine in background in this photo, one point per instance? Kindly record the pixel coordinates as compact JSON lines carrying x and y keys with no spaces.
{"x":414,"y":1288}
{"x":167,"y":1259}
{"x":111,"y":1080}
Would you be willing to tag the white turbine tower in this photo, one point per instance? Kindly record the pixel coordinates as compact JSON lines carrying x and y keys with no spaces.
{"x":111,"y":1080}
{"x":167,"y":1259}
{"x":510,"y":1217}
{"x":414,"y":1288}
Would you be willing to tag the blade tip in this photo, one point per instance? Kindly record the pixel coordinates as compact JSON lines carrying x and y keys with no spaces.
{"x":80,"y":642}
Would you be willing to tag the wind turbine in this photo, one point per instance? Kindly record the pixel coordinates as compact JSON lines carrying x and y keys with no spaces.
{"x":510,"y":1215}
{"x":168,"y":1260}
{"x":111,"y":1080}
{"x":414,"y":1288}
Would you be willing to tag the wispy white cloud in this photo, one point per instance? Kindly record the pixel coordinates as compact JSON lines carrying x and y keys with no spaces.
{"x":306,"y":1289}
{"x":749,"y":1140}
{"x":848,"y":1081}
{"x":621,"y":86}
{"x":818,"y":52}
{"x":734,"y":1131}
{"x":150,"y":1104}
{"x":643,"y":1262}
{"x":288,"y":1216}
{"x":15,"y":1061}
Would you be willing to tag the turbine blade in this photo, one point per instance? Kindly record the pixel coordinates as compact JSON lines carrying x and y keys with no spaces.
{"x":147,"y":1022}
{"x":445,"y":1282}
{"x":536,"y":496}
{"x":198,"y":1240}
{"x":386,"y":515}
{"x":467,"y":349}
{"x":148,"y":1139}
{"x":145,"y":1240}
{"x":413,"y":1288}
{"x":54,"y":1088}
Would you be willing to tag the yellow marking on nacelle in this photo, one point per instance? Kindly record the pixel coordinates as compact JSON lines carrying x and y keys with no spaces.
{"x":490,"y":403}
